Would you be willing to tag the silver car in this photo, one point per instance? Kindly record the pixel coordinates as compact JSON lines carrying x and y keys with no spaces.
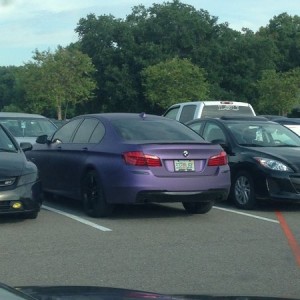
{"x":27,"y":127}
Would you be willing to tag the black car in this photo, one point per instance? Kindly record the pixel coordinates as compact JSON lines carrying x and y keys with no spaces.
{"x":20,"y":187}
{"x":264,"y":157}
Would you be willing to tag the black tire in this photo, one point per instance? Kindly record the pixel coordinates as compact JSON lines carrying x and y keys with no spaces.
{"x":93,"y":197}
{"x":242,"y":191}
{"x":198,"y":207}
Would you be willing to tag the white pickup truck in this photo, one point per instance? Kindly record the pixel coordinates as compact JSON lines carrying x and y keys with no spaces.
{"x":186,"y":111}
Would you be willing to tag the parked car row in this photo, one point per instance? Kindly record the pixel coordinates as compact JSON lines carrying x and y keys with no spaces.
{"x":107,"y":159}
{"x":120,"y":158}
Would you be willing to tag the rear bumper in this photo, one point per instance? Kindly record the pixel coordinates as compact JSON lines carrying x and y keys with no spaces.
{"x":143,"y":186}
{"x":165,"y":197}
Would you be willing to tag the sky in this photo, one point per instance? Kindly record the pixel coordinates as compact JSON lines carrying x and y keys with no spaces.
{"x":26,"y":25}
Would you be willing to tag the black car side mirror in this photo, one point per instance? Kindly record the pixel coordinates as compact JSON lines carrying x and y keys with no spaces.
{"x":25,"y":146}
{"x":42,"y":139}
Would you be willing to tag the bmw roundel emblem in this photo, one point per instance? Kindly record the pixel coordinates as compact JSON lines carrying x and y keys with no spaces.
{"x":185,"y":153}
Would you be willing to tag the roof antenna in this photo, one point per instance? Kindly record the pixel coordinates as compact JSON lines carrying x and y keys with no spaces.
{"x":143,"y":115}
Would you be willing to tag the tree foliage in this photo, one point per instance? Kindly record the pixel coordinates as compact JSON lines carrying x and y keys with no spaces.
{"x":57,"y":80}
{"x":279,"y":92}
{"x":9,"y":86}
{"x":123,"y":51}
{"x":176,"y":80}
{"x":284,"y":31}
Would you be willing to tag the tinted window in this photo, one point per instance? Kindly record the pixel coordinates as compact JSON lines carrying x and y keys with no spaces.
{"x":97,"y":134}
{"x":187,"y":113}
{"x":154,"y":130}
{"x":85,"y":131}
{"x":172,"y":113}
{"x":28,"y":127}
{"x":6,"y":143}
{"x":225,"y":110}
{"x":213,"y":132}
{"x":197,"y":127}
{"x":65,"y":133}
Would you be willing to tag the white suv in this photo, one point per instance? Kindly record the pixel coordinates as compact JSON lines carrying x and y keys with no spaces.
{"x":187,"y":111}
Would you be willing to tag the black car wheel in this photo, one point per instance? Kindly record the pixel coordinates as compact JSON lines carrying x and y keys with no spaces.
{"x":242,"y":191}
{"x":93,"y":197}
{"x":198,"y":207}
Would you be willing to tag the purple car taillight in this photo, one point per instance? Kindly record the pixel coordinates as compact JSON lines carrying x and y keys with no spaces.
{"x":218,"y":160}
{"x":138,"y":158}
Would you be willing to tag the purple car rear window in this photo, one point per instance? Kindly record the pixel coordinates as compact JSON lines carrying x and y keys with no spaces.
{"x":154,"y":130}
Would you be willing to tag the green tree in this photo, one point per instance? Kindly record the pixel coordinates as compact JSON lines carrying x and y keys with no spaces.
{"x":279,"y":92}
{"x":12,"y":108}
{"x":176,"y":80}
{"x":121,"y":49}
{"x":284,"y":30}
{"x":10,"y":92}
{"x":57,"y":80}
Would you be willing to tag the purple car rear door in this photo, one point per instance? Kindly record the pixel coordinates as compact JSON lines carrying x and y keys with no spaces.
{"x":72,"y":161}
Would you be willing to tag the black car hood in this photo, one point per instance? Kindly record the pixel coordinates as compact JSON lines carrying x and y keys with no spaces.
{"x":288,"y":154}
{"x":91,"y":293}
{"x":11,"y":164}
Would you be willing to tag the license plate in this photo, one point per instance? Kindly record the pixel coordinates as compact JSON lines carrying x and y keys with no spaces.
{"x":184,"y":165}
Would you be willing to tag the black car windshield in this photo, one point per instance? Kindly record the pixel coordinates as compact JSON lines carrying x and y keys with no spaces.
{"x":154,"y":130}
{"x":263,"y":135}
{"x":6,"y":144}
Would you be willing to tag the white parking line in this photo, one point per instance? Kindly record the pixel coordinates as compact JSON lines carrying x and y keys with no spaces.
{"x":81,"y":220}
{"x":247,"y":215}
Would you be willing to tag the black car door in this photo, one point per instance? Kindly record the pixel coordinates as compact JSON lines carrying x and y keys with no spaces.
{"x":74,"y":157}
{"x":212,"y":132}
{"x":50,"y":157}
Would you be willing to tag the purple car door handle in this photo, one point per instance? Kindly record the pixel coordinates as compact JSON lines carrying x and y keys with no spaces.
{"x":85,"y":149}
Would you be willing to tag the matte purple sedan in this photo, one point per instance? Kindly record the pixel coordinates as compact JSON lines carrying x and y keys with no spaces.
{"x":112,"y":158}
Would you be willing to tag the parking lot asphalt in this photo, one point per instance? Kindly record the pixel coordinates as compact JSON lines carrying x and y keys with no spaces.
{"x":158,"y":248}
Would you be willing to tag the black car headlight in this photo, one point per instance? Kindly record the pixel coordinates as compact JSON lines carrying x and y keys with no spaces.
{"x":7,"y":181}
{"x":273,"y":164}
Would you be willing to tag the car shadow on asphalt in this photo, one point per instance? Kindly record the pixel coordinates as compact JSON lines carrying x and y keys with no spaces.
{"x":6,"y":219}
{"x":129,"y":211}
{"x":149,"y":210}
{"x":157,"y":210}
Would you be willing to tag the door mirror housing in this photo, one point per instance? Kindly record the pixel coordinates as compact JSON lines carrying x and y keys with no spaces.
{"x":25,"y":146}
{"x":42,"y":139}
